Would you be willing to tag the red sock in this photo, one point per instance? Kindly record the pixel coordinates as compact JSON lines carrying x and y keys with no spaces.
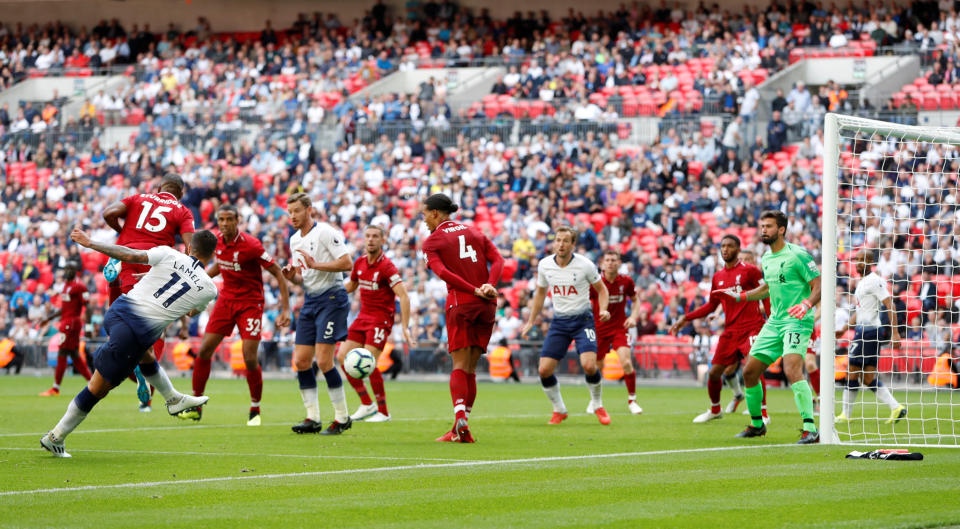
{"x":60,"y":370}
{"x":255,"y":383}
{"x":379,"y":393}
{"x":360,"y":389}
{"x":82,"y":367}
{"x":471,"y":391}
{"x":713,"y":389}
{"x":459,"y":392}
{"x":201,"y":373}
{"x":630,"y":380}
{"x":158,"y":349}
{"x":763,"y":403}
{"x":815,"y":380}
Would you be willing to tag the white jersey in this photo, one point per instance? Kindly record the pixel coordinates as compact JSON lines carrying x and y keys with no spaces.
{"x":568,"y":286}
{"x":870,"y":293}
{"x":175,"y":285}
{"x":324,"y":243}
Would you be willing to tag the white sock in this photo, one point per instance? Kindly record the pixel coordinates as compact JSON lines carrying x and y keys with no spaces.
{"x":311,"y":402}
{"x":70,"y":420}
{"x":884,"y":395}
{"x":339,"y":400}
{"x":596,"y":394}
{"x":553,"y":393}
{"x":849,"y":397}
{"x":161,"y":381}
{"x":734,"y":383}
{"x":631,"y":397}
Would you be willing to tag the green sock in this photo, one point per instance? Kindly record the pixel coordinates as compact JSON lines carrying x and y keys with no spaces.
{"x":754,"y":404}
{"x":804,"y":399}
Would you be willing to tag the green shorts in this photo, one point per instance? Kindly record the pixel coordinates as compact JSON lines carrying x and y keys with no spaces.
{"x":778,"y":338}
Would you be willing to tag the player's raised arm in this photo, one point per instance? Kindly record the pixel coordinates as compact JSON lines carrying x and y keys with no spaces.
{"x":704,"y":310}
{"x":122,"y":253}
{"x":113,"y":214}
{"x":603,"y":299}
{"x":761,"y":292}
{"x":283,"y":320}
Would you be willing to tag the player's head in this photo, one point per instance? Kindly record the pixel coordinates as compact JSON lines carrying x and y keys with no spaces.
{"x":747,"y":256}
{"x":300,"y":209}
{"x":172,"y":184}
{"x":436,"y":209}
{"x":203,"y":244}
{"x":373,"y":239}
{"x":773,"y":226}
{"x":611,"y":261}
{"x":864,"y":261}
{"x":228,"y":218}
{"x":70,"y":270}
{"x":730,"y":248}
{"x":564,"y":241}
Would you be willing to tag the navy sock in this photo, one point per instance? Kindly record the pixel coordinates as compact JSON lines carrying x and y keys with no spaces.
{"x":148,"y":370}
{"x":874,"y":384}
{"x":307,"y":379}
{"x":594,"y":378}
{"x":334,"y":380}
{"x":86,"y":400}
{"x":549,"y":382}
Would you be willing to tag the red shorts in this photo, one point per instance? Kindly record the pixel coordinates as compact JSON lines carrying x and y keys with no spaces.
{"x":470,"y":324}
{"x":370,"y":330}
{"x":130,"y":275}
{"x":245,"y":315}
{"x":72,"y":331}
{"x":611,"y":342}
{"x":734,"y":346}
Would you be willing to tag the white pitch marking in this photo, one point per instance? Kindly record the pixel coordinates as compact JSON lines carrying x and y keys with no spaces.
{"x":231,"y":454}
{"x":394,"y":469}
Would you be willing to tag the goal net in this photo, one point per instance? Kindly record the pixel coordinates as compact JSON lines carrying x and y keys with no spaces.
{"x":890,"y":199}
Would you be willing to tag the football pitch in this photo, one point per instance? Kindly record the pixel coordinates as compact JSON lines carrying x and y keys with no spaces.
{"x":654,"y":470}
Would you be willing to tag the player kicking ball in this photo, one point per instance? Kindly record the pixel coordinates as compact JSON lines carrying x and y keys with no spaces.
{"x":613,"y":334}
{"x":569,"y":277}
{"x":792,"y":281}
{"x":175,"y":285}
{"x":240,"y":259}
{"x":742,"y":324}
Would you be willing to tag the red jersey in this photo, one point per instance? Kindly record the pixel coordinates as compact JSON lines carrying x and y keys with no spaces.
{"x":240,"y":262}
{"x":738,"y":316}
{"x":375,"y":282}
{"x":464,"y":258}
{"x":620,"y":290}
{"x":154,"y":220}
{"x":72,"y":300}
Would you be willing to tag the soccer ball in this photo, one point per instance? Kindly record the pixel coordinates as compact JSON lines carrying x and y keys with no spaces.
{"x":359,"y":363}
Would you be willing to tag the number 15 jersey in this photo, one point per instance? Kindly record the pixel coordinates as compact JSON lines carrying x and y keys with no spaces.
{"x":152,"y":220}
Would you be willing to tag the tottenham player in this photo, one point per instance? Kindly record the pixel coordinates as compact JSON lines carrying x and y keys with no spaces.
{"x":73,"y":299}
{"x":569,"y":277}
{"x":613,"y":334}
{"x":145,"y":221}
{"x":174,"y":285}
{"x":380,"y":285}
{"x":319,"y":256}
{"x":470,"y":265}
{"x":870,"y":294}
{"x":742,"y":323}
{"x":240,"y":259}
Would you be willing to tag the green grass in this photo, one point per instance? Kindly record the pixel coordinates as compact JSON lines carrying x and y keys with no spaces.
{"x":655,"y":470}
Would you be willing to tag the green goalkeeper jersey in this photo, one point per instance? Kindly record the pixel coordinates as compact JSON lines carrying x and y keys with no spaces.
{"x":788,"y":274}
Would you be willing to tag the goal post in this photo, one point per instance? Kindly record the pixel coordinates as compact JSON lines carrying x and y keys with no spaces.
{"x":885,"y":192}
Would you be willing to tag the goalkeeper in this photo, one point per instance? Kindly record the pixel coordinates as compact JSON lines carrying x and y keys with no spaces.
{"x":792,"y":281}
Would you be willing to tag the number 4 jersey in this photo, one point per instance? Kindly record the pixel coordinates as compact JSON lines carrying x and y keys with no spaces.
{"x":464,"y":252}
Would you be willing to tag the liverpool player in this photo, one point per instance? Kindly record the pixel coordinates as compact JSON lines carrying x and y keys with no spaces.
{"x":569,"y":277}
{"x":146,"y":221}
{"x":319,"y":256}
{"x":471,"y":265}
{"x":613,"y":334}
{"x":73,"y":299}
{"x":380,"y":287}
{"x":239,"y":259}
{"x":742,"y":323}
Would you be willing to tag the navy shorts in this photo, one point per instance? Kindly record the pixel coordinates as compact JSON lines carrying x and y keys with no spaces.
{"x":129,"y":339}
{"x":323,"y":318}
{"x":865,"y":349}
{"x":566,"y":329}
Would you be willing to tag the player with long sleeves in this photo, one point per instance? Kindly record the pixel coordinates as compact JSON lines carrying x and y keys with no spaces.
{"x":742,"y":324}
{"x":792,"y":281}
{"x":240,"y":260}
{"x":471,"y":265}
{"x":319,"y":256}
{"x":73,"y":299}
{"x":174,"y":285}
{"x":569,"y":277}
